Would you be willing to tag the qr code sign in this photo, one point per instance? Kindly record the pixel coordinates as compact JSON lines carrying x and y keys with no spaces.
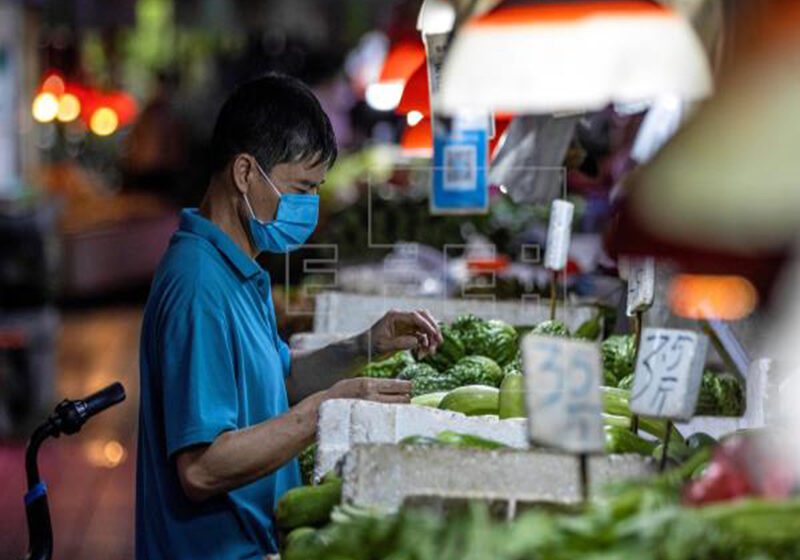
{"x":460,"y":173}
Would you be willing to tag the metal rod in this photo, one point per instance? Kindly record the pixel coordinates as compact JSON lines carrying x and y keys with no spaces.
{"x":553,"y":294}
{"x":727,"y":345}
{"x":637,"y":340}
{"x":663,"y":464}
{"x":583,"y":458}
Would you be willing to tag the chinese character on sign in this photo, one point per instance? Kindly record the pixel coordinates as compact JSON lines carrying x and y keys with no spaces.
{"x":563,"y":392}
{"x":669,"y":370}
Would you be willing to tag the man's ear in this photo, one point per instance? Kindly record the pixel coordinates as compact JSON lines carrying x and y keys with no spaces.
{"x":241,"y":172}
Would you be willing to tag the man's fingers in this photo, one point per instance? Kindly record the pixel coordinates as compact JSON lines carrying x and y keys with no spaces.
{"x":426,"y":327}
{"x":390,"y":386}
{"x":427,"y":315}
{"x":404,"y":342}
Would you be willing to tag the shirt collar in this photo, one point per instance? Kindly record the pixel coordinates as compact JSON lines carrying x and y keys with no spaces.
{"x":193,"y":222}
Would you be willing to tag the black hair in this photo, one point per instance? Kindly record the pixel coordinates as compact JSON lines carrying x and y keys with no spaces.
{"x":276,"y":119}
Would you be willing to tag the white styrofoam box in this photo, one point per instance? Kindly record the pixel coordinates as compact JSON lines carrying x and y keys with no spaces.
{"x":344,"y":423}
{"x":339,"y":312}
{"x":755,"y":416}
{"x":384,"y":476}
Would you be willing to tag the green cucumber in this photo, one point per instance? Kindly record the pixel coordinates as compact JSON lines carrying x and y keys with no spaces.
{"x":429,"y":399}
{"x":512,"y":397}
{"x":472,"y":400}
{"x":308,"y":506}
{"x":622,"y":440}
{"x":468,"y":440}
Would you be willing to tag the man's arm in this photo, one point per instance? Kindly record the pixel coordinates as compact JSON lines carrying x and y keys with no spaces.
{"x":317,"y":370}
{"x":239,"y":457}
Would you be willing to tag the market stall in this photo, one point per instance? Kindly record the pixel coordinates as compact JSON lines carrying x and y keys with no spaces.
{"x":550,"y":431}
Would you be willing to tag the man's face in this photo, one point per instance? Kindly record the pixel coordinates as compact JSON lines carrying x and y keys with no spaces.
{"x":288,"y":178}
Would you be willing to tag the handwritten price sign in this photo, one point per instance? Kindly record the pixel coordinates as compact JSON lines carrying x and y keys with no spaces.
{"x":562,"y":379}
{"x":641,"y":284}
{"x":669,"y":370}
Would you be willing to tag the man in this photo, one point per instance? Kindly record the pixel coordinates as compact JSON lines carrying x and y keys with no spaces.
{"x":217,"y":436}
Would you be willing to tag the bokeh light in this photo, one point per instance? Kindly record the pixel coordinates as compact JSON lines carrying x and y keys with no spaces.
{"x":45,"y":107}
{"x":104,"y":121}
{"x":69,"y":108}
{"x":728,"y":298}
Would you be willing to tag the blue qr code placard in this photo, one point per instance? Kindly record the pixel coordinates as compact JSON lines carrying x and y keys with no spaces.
{"x":460,"y":167}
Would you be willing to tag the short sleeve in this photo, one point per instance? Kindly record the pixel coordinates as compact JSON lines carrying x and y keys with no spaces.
{"x":199,"y":384}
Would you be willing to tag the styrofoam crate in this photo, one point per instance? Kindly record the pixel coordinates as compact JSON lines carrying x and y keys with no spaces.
{"x":384,"y":476}
{"x":344,"y":423}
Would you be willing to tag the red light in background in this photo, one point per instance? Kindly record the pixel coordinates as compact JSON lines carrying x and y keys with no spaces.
{"x":728,"y":298}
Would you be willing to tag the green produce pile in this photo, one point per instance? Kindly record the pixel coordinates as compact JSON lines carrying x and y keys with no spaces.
{"x":721,"y":394}
{"x":642,"y":521}
{"x":474,"y":352}
{"x":619,"y":358}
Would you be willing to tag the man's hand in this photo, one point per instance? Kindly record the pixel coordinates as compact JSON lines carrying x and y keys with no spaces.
{"x":403,"y":330}
{"x":369,"y":389}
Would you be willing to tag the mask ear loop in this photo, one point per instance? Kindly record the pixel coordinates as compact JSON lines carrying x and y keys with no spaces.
{"x":271,"y":184}
{"x":250,"y":208}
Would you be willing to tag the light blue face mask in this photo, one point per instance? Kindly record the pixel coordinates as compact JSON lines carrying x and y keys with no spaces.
{"x":294,"y":222}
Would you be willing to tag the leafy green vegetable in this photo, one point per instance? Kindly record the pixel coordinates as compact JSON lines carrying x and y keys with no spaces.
{"x":476,"y":370}
{"x":449,"y":351}
{"x":619,"y":354}
{"x":626,"y":382}
{"x":388,"y":368}
{"x":721,"y":394}
{"x":644,"y":522}
{"x":307,"y":459}
{"x":590,"y":329}
{"x":551,"y":328}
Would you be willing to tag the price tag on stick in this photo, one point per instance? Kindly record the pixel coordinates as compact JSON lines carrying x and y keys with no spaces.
{"x":562,"y":379}
{"x":559,"y":231}
{"x":641,"y":284}
{"x":669,"y":371}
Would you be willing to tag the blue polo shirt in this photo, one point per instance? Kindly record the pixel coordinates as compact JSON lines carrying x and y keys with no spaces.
{"x":211,"y":360}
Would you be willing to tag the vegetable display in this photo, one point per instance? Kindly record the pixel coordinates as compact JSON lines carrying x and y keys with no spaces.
{"x":472,"y":400}
{"x":495,"y":339}
{"x":476,"y":370}
{"x":423,"y":385}
{"x":551,"y":328}
{"x":721,"y":394}
{"x":642,"y":521}
{"x":388,"y":368}
{"x":449,"y":351}
{"x":618,"y":353}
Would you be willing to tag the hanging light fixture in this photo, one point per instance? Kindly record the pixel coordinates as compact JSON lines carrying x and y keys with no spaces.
{"x":541,"y":57}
